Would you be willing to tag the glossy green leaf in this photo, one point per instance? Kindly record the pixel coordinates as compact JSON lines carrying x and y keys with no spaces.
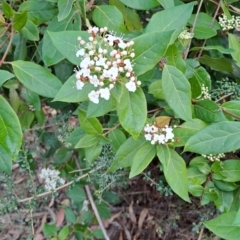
{"x":225,"y":186}
{"x":233,"y":107}
{"x":175,"y":172}
{"x":102,"y":108}
{"x":49,"y":230}
{"x":225,"y":201}
{"x":4,"y":76}
{"x":10,"y":129}
{"x":233,"y":42}
{"x":36,"y":78}
{"x":171,"y":19}
{"x":89,"y":125}
{"x":20,"y":52}
{"x":195,"y":190}
{"x":69,"y":93}
{"x":110,"y":17}
{"x":5,"y":161}
{"x":117,"y":91}
{"x":64,"y":232}
{"x":218,"y":48}
{"x":202,"y":28}
{"x":66,"y":43}
{"x":202,"y":164}
{"x":30,"y":31}
{"x":167,"y":3}
{"x":177,"y":92}
{"x":50,"y":54}
{"x":140,"y":5}
{"x":132,"y":111}
{"x":230,"y":170}
{"x":7,"y":9}
{"x":149,"y":50}
{"x":208,"y":111}
{"x":195,"y":177}
{"x":126,"y":152}
{"x":39,"y":11}
{"x":19,"y":20}
{"x":87,"y":141}
{"x":132,"y":20}
{"x":186,"y":130}
{"x":217,"y":64}
{"x":14,"y":99}
{"x":155,"y":89}
{"x":117,"y":138}
{"x":92,"y":153}
{"x":31,"y":98}
{"x":223,"y":226}
{"x":142,"y":159}
{"x":64,"y":9}
{"x":217,"y":138}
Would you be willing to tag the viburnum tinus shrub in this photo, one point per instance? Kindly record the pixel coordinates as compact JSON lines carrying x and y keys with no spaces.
{"x":147,"y":90}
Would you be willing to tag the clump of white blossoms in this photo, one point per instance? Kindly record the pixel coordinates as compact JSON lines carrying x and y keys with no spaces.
{"x":105,"y":60}
{"x":158,"y":135}
{"x":185,"y":35}
{"x":51,"y":178}
{"x":205,"y":92}
{"x":214,"y":157}
{"x":228,"y":24}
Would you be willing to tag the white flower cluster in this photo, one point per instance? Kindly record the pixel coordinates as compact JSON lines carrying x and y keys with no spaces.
{"x":105,"y":60}
{"x":228,"y":24}
{"x":214,"y":157}
{"x":185,"y":35}
{"x":158,"y":135}
{"x":51,"y":178}
{"x":205,"y":92}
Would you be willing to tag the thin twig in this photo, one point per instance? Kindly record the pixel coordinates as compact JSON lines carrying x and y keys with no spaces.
{"x":49,"y":192}
{"x":214,"y":17}
{"x":31,"y":218}
{"x":90,"y":198}
{"x":223,"y":97}
{"x":200,"y":234}
{"x":111,"y":129}
{"x":193,"y":27}
{"x":230,"y":114}
{"x":8,"y":47}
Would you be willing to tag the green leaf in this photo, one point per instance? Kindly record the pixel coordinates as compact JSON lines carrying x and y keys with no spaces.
{"x":64,"y":9}
{"x":49,"y":230}
{"x":126,"y":152}
{"x":50,"y":54}
{"x":140,"y":5}
{"x":69,"y":93}
{"x":38,"y":79}
{"x":110,"y":17}
{"x":20,"y":52}
{"x":208,"y":111}
{"x":186,"y":130}
{"x":39,"y":11}
{"x":175,"y":172}
{"x":233,"y":42}
{"x":230,"y":170}
{"x":64,"y":232}
{"x":142,"y":159}
{"x":4,"y":76}
{"x":89,"y":125}
{"x":117,"y":91}
{"x":66,"y":43}
{"x":218,"y":48}
{"x":225,"y":186}
{"x":10,"y":129}
{"x":102,"y":108}
{"x":202,"y":28}
{"x":167,"y":3}
{"x":19,"y":20}
{"x":76,"y":193}
{"x":7,"y":9}
{"x":217,"y":138}
{"x":202,"y":164}
{"x":149,"y":50}
{"x":225,"y":201}
{"x":177,"y":91}
{"x":217,"y":64}
{"x":132,"y":20}
{"x":195,"y":177}
{"x":232,"y":107}
{"x":171,"y":19}
{"x":118,"y":138}
{"x":155,"y":89}
{"x":132,"y":111}
{"x":87,"y":141}
{"x":5,"y":161}
{"x":223,"y":226}
{"x":93,"y":152}
{"x":31,"y":98}
{"x":70,"y":215}
{"x":237,"y":218}
{"x":30,"y":31}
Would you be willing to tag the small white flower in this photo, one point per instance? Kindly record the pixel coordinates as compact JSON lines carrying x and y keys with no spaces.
{"x":104,"y":93}
{"x":161,"y":139}
{"x":85,"y":62}
{"x":128,"y":65}
{"x":148,"y":137}
{"x":101,"y":62}
{"x":147,"y":128}
{"x":131,"y":86}
{"x":79,"y":84}
{"x":94,"y":96}
{"x":94,"y":80}
{"x":111,"y":39}
{"x":80,"y":52}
